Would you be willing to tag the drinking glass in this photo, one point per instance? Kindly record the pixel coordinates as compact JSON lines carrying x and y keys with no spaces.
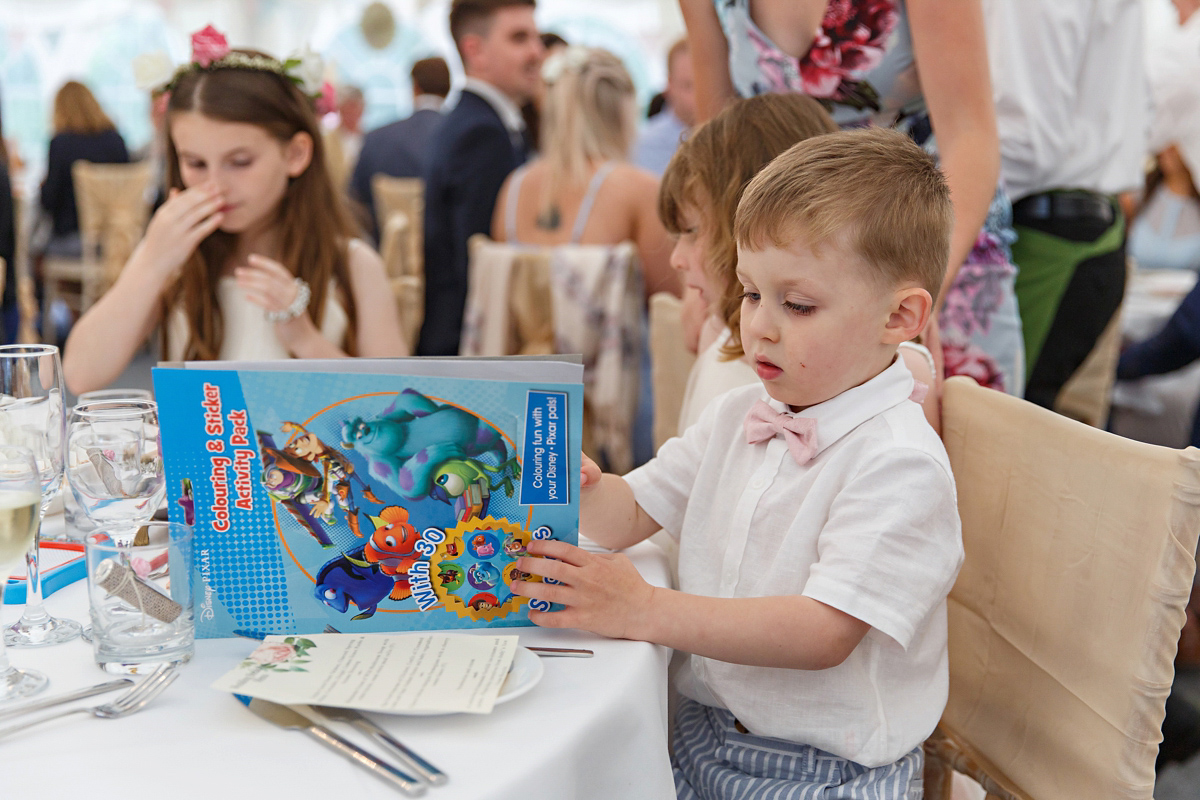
{"x":77,"y":523}
{"x":141,"y":598}
{"x":32,"y":416}
{"x":20,"y":500}
{"x":114,"y":394}
{"x":114,"y":465}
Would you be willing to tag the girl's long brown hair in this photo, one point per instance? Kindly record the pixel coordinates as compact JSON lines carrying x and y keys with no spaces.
{"x":712,"y":168}
{"x":314,"y":226}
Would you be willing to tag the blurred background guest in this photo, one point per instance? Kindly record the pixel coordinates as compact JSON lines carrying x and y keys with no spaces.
{"x":401,"y":149}
{"x":1165,"y":233}
{"x":8,"y":247}
{"x":531,"y":111}
{"x":565,"y":195}
{"x":344,"y":142}
{"x":82,"y":131}
{"x":1071,"y":106}
{"x":922,"y":68}
{"x":480,"y":141}
{"x":661,"y":135}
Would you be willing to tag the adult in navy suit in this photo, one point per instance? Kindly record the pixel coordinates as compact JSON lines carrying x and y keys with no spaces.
{"x":480,"y":141}
{"x":401,"y":148}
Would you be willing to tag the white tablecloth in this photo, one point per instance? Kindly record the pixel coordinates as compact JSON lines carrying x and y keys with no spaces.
{"x":592,"y":728}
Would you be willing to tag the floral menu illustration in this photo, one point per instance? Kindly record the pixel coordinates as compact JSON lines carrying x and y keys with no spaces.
{"x":368,"y":495}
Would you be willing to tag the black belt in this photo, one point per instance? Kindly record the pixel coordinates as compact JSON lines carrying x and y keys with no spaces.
{"x":1075,"y":205}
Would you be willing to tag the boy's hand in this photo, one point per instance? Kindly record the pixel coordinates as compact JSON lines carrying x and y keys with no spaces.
{"x":589,"y":474}
{"x":603,"y":593}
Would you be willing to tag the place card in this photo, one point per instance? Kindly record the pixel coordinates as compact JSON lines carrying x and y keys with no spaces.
{"x":396,"y":674}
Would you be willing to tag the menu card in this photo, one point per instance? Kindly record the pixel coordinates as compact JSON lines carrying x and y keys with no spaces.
{"x":416,"y":673}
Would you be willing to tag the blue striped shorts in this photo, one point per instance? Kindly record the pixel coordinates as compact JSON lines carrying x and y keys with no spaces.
{"x":713,"y":760}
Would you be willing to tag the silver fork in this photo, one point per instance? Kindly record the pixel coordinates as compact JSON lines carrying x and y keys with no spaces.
{"x":132,"y":700}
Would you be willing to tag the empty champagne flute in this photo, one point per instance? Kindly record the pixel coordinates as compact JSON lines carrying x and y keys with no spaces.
{"x":20,"y":500}
{"x":114,"y":465}
{"x":32,"y":416}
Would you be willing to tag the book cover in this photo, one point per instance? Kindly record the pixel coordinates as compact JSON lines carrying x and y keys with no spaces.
{"x":368,"y":495}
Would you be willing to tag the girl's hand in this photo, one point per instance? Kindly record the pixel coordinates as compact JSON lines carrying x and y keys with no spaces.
{"x":177,"y":228}
{"x":272,"y":287}
{"x":603,"y":593}
{"x":589,"y":473}
{"x":267,"y":284}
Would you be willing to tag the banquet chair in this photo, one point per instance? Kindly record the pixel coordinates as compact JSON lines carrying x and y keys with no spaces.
{"x":409,"y":293}
{"x":583,"y":299}
{"x":403,"y":246}
{"x":113,"y":210}
{"x":1063,"y":623}
{"x":670,"y":363}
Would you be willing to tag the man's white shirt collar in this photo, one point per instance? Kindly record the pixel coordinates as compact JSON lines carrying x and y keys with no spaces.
{"x":428,"y":102}
{"x":510,"y":115}
{"x":839,"y":415}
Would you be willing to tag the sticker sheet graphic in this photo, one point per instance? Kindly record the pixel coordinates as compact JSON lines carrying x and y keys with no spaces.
{"x":366,"y":502}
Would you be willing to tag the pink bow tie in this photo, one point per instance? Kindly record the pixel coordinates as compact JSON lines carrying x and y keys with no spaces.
{"x":800,"y":433}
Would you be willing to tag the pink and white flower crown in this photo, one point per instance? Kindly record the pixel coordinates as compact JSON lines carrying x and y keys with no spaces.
{"x":154,"y":72}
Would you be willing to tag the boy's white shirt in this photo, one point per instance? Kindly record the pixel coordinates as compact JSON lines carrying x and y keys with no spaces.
{"x":870,"y":526}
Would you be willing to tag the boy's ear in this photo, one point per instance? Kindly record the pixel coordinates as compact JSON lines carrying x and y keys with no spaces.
{"x":911,"y":308}
{"x":298,"y":154}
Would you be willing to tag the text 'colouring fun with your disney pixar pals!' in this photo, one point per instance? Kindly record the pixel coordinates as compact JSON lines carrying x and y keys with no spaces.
{"x":370,"y":502}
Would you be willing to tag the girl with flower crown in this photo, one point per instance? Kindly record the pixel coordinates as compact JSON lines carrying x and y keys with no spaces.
{"x":252,"y":256}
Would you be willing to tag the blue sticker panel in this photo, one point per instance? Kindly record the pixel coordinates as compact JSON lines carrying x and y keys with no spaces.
{"x":545,"y":480}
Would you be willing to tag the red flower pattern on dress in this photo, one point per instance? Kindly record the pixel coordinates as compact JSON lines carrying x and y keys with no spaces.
{"x":850,"y":43}
{"x":208,"y":45}
{"x":967,"y":359}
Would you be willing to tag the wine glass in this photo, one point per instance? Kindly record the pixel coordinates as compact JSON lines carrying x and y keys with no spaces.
{"x":32,"y":416}
{"x":77,"y":523}
{"x":114,"y":394}
{"x":114,"y":465}
{"x":20,"y":499}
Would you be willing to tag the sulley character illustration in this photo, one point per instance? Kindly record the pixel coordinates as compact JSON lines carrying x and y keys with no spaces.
{"x":421,"y":448}
{"x":349,"y":579}
{"x":392,"y":547}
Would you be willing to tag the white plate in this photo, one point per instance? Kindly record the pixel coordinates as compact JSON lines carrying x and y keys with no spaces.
{"x":523,"y":675}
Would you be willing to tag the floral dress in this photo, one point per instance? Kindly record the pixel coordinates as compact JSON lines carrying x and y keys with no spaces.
{"x":861,"y":67}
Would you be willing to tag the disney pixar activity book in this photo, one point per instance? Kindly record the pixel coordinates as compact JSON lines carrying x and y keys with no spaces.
{"x":370,"y":495}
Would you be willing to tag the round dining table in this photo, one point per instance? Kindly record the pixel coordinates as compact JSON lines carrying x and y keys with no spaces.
{"x":591,"y":728}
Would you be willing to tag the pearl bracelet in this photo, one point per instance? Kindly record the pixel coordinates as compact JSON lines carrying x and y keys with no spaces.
{"x":298,"y":306}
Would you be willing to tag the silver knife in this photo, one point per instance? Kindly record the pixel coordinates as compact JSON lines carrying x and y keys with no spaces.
{"x":78,"y":694}
{"x":285,"y":717}
{"x":427,"y":772}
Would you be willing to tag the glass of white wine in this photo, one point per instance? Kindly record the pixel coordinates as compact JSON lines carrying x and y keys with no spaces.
{"x":20,"y":511}
{"x":32,"y":415}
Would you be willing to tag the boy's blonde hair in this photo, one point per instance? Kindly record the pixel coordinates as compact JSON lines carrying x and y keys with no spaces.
{"x":871,"y":189}
{"x":711,"y":169}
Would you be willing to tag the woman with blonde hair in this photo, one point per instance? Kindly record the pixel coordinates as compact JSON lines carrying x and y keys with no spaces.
{"x":589,"y":122}
{"x":82,"y":132}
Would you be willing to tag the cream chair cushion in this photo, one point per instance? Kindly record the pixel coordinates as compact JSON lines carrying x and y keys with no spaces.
{"x":1080,"y":554}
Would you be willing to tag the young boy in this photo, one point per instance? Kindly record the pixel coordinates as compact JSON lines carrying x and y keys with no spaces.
{"x":816,"y":516}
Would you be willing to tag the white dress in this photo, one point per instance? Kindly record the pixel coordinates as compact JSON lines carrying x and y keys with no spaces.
{"x":712,"y":376}
{"x":248,"y":335}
